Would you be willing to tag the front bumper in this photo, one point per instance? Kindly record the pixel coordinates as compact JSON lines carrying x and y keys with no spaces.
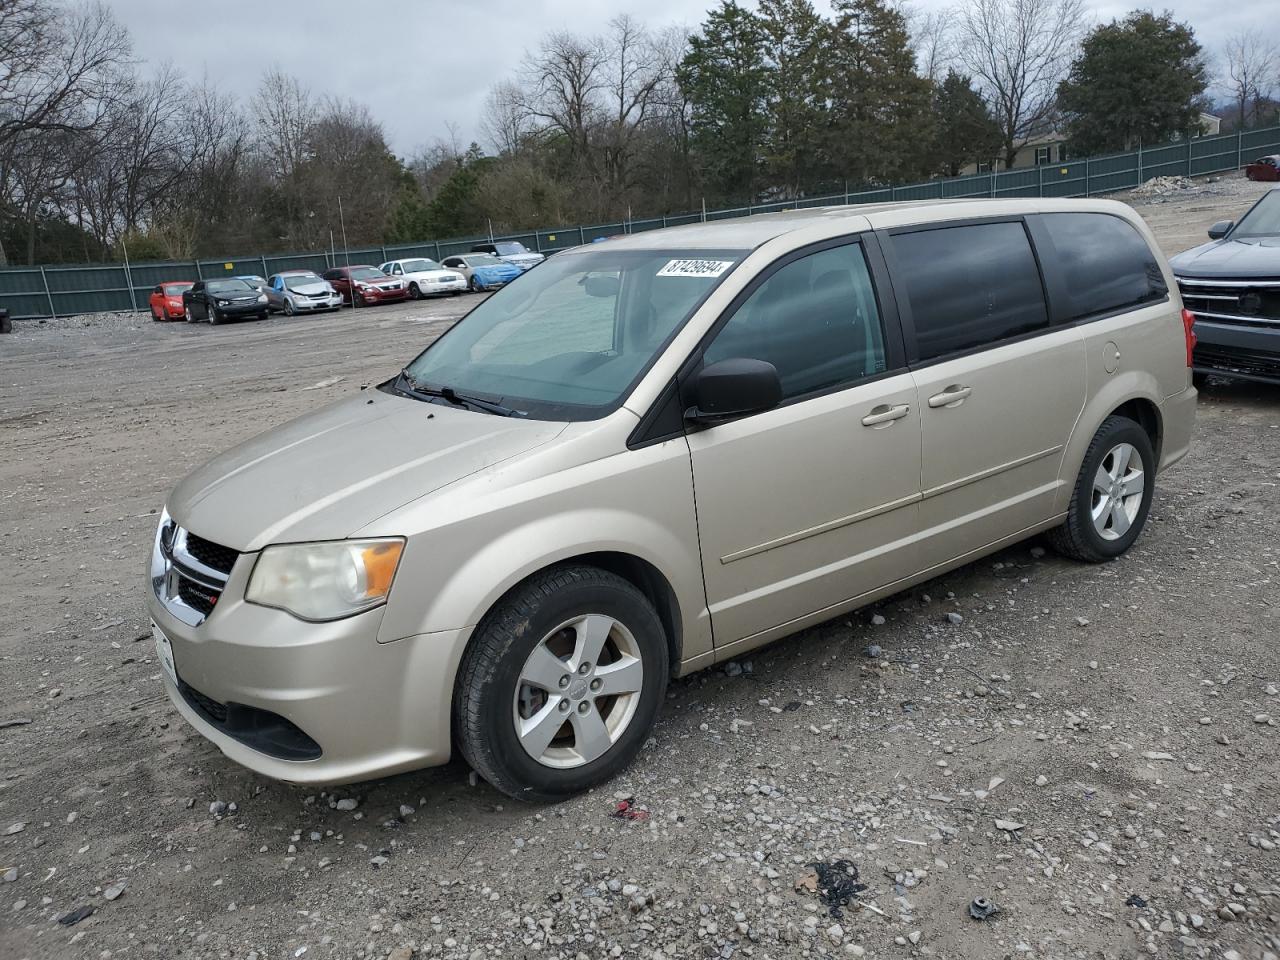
{"x":241,"y":309}
{"x":372,"y":708}
{"x":1245,"y":351}
{"x":384,"y":296}
{"x":310,"y":306}
{"x":448,"y":286}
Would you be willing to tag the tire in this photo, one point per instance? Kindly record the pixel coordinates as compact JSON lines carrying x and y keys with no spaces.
{"x":288,"y":307}
{"x":548,"y":612}
{"x":474,"y":285}
{"x":155,"y":317}
{"x":414,"y":292}
{"x":357,"y":300}
{"x":186,"y":310}
{"x":214,"y":319}
{"x":1082,"y":537}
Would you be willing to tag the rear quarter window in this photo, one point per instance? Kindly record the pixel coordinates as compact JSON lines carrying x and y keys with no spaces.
{"x":969,"y":286}
{"x":1105,"y":264}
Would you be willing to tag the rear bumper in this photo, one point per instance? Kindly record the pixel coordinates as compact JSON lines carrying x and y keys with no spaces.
{"x":1178,"y":419}
{"x":1238,"y":350}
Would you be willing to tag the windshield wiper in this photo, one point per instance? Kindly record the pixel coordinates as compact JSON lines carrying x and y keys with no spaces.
{"x":405,"y":383}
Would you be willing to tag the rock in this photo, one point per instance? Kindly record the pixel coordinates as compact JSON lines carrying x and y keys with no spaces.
{"x":217,"y":808}
{"x":1157,"y":755}
{"x":1042,"y":781}
{"x":914,"y":936}
{"x":1037,"y":552}
{"x":1225,"y":914}
{"x":1010,"y":825}
{"x":1263,"y":718}
{"x":78,"y":914}
{"x":113,"y":892}
{"x":406,"y":810}
{"x":378,"y":861}
{"x":10,"y":874}
{"x":953,"y":617}
{"x":55,"y":692}
{"x":1082,"y":621}
{"x":874,"y":651}
{"x":401,"y":953}
{"x":347,"y":803}
{"x":15,"y":828}
{"x":877,"y":620}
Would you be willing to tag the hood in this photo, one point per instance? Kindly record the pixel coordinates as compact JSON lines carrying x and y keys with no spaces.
{"x":310,"y":288}
{"x":1245,"y":259}
{"x":502,"y":269}
{"x":331,"y":472}
{"x":433,"y":275}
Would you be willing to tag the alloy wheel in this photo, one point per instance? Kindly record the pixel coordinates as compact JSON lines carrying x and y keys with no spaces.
{"x":1118,"y":487}
{"x":578,"y":691}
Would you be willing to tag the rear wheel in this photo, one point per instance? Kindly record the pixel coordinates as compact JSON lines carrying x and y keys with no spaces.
{"x":1112,"y":495}
{"x":561,"y":683}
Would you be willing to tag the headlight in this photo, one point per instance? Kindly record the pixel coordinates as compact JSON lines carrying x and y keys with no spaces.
{"x":221,"y":303}
{"x":262,"y":298}
{"x":325,"y":581}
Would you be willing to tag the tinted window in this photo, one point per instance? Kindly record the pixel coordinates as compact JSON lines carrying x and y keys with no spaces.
{"x":1262,"y":220}
{"x":1105,"y":262}
{"x":815,"y":319}
{"x":970,"y":286}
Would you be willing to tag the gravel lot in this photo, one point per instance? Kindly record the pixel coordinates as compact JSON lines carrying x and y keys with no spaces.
{"x":1091,"y":748}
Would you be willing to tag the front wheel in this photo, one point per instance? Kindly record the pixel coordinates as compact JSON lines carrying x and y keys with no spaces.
{"x":1112,"y":494}
{"x":561,"y":683}
{"x":288,"y":307}
{"x":214,"y":318}
{"x":186,"y":312}
{"x":474,"y":284}
{"x":414,"y":292}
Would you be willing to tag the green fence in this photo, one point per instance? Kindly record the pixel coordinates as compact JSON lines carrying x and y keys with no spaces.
{"x":64,"y":290}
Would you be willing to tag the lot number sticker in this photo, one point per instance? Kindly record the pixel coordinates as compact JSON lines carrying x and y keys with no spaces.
{"x":695,"y":268}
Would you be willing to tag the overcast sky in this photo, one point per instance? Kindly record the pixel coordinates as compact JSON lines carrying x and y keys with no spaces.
{"x":425,"y":64}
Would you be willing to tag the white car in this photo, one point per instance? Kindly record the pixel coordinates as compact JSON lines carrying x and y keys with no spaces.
{"x":425,"y":277}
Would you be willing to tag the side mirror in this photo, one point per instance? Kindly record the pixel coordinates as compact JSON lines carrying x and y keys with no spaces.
{"x":1220,"y":229}
{"x":728,"y":389}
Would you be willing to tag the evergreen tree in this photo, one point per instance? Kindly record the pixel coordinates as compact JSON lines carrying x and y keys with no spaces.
{"x":881,"y":118}
{"x":725,"y":79}
{"x":965,"y":131}
{"x":1136,"y":81}
{"x":797,"y":48}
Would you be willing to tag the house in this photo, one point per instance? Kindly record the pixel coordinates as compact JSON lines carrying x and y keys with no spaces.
{"x":1037,"y":150}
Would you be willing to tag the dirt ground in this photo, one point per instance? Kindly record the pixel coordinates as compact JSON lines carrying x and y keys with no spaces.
{"x":1091,"y":748}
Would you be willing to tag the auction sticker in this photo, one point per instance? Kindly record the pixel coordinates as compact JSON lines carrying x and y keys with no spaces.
{"x":695,"y":268}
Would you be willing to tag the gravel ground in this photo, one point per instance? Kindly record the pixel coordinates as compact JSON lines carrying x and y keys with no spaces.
{"x":1093,"y":749}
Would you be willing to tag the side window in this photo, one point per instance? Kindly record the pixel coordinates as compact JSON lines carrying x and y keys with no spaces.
{"x":970,"y":286}
{"x":815,"y":319}
{"x":156,"y":290}
{"x":1105,"y":263}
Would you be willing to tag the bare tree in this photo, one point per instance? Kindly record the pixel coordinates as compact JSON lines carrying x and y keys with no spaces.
{"x":1252,"y":65}
{"x":933,"y":38}
{"x":559,"y":86}
{"x":506,"y":120}
{"x":1018,"y":51}
{"x":634,"y":70}
{"x":285,"y":113}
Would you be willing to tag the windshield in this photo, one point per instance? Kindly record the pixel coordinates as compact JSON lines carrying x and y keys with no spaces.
{"x":483,"y":260}
{"x":295,"y":280}
{"x":568,"y":340}
{"x":176,"y":289}
{"x":229,"y":286}
{"x":1263,"y":220}
{"x":511,"y":248}
{"x":367,"y":273}
{"x":420,"y":266}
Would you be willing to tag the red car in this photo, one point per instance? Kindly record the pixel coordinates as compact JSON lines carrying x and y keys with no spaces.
{"x":1264,"y":168}
{"x":166,"y":299}
{"x":369,"y":284}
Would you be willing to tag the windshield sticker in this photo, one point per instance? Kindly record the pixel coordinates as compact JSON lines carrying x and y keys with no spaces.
{"x":695,"y":268}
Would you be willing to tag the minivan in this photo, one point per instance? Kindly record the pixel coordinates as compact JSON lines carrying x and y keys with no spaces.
{"x":656,"y":454}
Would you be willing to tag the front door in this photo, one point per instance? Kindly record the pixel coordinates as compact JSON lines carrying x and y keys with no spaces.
{"x":814,"y":502}
{"x":1000,"y":388}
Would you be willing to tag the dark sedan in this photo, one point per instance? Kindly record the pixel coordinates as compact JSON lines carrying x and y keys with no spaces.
{"x":221,"y":300}
{"x":1232,"y":285}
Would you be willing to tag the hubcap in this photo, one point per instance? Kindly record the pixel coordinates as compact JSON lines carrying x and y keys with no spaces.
{"x":578,"y":691}
{"x":1118,"y":487}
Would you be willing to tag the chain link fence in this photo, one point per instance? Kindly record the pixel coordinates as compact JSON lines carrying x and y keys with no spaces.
{"x":66,"y":290}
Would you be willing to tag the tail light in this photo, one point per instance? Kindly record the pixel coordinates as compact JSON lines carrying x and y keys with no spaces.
{"x":1189,"y":331}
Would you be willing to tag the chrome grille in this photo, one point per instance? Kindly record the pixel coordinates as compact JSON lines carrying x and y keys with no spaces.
{"x":1239,"y":301}
{"x":189,"y":573}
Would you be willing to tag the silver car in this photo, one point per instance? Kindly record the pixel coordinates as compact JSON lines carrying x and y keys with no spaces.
{"x":653,"y":455}
{"x":301,"y":291}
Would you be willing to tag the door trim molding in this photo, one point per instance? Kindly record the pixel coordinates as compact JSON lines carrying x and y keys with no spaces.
{"x":988,"y":473}
{"x":826,"y":527}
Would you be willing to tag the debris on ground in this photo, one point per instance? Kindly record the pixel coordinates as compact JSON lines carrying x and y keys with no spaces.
{"x":980,"y":908}
{"x":626,"y":809}
{"x":75,"y":916}
{"x":1162,"y":186}
{"x":1133,"y":900}
{"x":14,"y":722}
{"x":835,"y":883}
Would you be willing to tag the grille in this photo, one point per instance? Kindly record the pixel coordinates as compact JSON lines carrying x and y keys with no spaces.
{"x":208,"y":706}
{"x":1246,"y":301}
{"x":196,"y":596}
{"x":211,"y":554}
{"x":1261,"y":365}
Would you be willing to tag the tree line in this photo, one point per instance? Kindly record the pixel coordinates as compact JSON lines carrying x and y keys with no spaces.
{"x":775,"y":101}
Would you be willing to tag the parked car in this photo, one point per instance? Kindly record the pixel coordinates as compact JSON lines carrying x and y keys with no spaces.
{"x":227,"y":298}
{"x":425,"y":277}
{"x":483,"y":271}
{"x":166,"y":299}
{"x":656,"y":454}
{"x":511,"y":251}
{"x":258,"y":283}
{"x":301,"y":291}
{"x":1264,"y":168}
{"x":1232,"y":285}
{"x":364,"y":285}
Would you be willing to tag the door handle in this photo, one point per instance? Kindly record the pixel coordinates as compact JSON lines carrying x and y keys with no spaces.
{"x":953,"y":396}
{"x":884,"y":414}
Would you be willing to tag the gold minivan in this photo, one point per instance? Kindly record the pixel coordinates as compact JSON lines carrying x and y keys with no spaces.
{"x":653,"y":454}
